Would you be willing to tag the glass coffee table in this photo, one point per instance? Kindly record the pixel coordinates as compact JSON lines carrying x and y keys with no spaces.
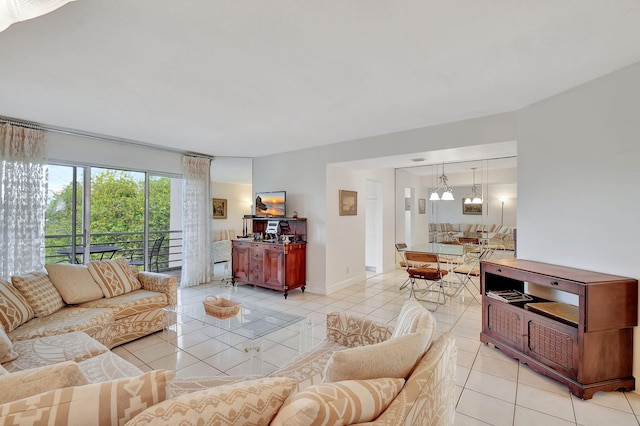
{"x":253,"y":324}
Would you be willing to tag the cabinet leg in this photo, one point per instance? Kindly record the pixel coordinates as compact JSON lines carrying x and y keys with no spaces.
{"x":303,"y":287}
{"x":286,"y":293}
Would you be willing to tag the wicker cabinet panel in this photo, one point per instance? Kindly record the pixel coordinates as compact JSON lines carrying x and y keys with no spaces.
{"x":505,"y":323}
{"x":553,"y":344}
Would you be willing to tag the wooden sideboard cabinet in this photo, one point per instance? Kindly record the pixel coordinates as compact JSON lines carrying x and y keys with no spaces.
{"x":594,"y":353}
{"x":272,"y":264}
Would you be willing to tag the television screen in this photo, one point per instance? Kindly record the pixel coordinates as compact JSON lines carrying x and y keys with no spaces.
{"x":271,"y":203}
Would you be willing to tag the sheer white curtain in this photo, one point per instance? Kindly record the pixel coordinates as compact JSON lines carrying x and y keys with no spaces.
{"x":197,"y":212}
{"x":23,"y":200}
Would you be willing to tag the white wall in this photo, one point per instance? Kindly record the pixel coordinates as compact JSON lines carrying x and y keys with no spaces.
{"x":239,"y":203}
{"x":304,"y":175}
{"x":586,"y":141}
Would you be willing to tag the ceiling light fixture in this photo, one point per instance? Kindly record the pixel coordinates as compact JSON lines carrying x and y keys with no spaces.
{"x":447,"y":195}
{"x":473,"y":198}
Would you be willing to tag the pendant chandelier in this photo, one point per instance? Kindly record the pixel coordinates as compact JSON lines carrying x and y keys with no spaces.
{"x":447,"y":194}
{"x":473,"y":198}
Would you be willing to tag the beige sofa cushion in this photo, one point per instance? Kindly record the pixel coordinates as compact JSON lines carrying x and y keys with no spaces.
{"x":114,"y":276}
{"x":6,"y":348}
{"x":31,"y":382}
{"x":414,"y":318}
{"x":130,"y":303}
{"x":74,"y":283}
{"x":253,"y":402}
{"x":343,"y":403}
{"x":107,"y":403}
{"x":393,"y":358}
{"x":76,"y":346}
{"x":14,"y":308}
{"x":39,"y":292}
{"x":90,"y":320}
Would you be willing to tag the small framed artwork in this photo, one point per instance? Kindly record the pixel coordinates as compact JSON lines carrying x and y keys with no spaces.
{"x":471,"y":208}
{"x":422,"y":205}
{"x":219,"y":208}
{"x":348,"y":203}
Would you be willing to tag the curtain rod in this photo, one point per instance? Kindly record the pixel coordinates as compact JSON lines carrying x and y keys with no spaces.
{"x":90,"y":135}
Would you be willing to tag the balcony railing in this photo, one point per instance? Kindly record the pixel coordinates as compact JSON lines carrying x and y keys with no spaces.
{"x":169,"y":257}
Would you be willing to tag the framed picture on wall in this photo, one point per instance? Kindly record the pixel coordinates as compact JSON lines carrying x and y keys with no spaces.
{"x":348,"y":203}
{"x":219,"y":208}
{"x":422,"y":205}
{"x":471,"y":208}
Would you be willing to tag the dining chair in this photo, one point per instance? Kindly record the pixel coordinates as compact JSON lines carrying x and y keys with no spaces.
{"x":154,"y":254}
{"x":431,"y":275}
{"x":469,"y":270}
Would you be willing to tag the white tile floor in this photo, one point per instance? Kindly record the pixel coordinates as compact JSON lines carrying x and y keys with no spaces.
{"x":491,"y":387}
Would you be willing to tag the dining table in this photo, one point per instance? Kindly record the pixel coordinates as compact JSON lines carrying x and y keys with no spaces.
{"x":75,"y":255}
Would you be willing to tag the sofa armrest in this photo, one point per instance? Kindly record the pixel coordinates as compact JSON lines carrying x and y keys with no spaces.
{"x":351,"y":330}
{"x":162,"y":283}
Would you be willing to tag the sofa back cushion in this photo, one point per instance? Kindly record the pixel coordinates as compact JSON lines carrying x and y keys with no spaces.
{"x":14,"y":308}
{"x":6,"y":348}
{"x":393,"y":358}
{"x":252,"y":402}
{"x":26,"y":383}
{"x":39,"y":292}
{"x":74,"y":283}
{"x":106,"y":403}
{"x":414,"y":318}
{"x":114,"y":276}
{"x":343,"y":403}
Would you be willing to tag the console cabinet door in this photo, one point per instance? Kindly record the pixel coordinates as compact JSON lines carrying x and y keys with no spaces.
{"x":274,"y":270}
{"x":552,"y":343}
{"x":504,"y":323}
{"x":240,"y":255}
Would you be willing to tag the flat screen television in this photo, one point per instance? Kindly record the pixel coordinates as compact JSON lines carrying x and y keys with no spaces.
{"x":271,"y":204}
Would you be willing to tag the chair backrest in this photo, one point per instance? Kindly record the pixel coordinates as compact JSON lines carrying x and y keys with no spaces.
{"x":157,"y":244}
{"x":415,"y":257}
{"x":401,"y":246}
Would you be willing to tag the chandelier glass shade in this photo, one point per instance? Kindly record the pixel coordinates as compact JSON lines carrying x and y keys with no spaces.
{"x":447,"y":194}
{"x":473,"y":198}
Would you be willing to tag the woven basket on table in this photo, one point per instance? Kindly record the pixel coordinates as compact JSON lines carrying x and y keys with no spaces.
{"x":220,"y":307}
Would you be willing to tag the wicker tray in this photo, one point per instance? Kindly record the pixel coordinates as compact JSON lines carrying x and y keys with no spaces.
{"x":220,"y":307}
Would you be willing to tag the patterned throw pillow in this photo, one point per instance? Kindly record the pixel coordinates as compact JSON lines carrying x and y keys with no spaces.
{"x":39,"y":292}
{"x":74,"y":283}
{"x":393,"y":358}
{"x":114,"y":276}
{"x":106,"y":403}
{"x":254,"y":402}
{"x":414,"y":318}
{"x":14,"y":308}
{"x":343,"y":403}
{"x":6,"y":348}
{"x":26,"y":383}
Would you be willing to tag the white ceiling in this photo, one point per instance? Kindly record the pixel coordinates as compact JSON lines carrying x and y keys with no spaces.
{"x":253,"y":77}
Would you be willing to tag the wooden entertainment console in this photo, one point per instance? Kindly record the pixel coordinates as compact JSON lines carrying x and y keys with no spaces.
{"x":592,"y":353}
{"x":274,"y":264}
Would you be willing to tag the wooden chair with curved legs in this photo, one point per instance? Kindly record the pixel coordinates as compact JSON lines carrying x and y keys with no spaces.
{"x":431,"y":275}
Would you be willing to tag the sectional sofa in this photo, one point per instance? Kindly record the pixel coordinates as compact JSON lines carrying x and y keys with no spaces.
{"x":364,"y":373}
{"x":442,"y":232}
{"x":108,"y":300}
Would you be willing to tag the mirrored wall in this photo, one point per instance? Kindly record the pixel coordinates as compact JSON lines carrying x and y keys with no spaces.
{"x":438,"y":202}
